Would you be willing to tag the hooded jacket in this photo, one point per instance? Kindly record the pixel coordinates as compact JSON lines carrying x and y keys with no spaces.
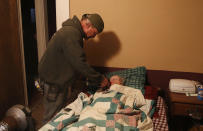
{"x":65,"y":56}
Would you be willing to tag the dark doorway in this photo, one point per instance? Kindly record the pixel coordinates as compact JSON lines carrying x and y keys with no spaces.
{"x":30,"y":44}
{"x":30,"y":39}
{"x":51,"y":12}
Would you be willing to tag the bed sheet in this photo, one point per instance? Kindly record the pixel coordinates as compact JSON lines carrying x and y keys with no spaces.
{"x":160,"y":122}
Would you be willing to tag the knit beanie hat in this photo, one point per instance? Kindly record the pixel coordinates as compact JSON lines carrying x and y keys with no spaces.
{"x":96,"y":21}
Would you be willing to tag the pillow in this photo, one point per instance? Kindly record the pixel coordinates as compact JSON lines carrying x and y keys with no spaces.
{"x":133,"y":77}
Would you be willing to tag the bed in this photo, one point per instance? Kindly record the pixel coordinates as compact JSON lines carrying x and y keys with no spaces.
{"x":132,"y":106}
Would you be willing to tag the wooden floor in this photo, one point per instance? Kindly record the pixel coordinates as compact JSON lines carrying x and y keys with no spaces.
{"x":37,"y":109}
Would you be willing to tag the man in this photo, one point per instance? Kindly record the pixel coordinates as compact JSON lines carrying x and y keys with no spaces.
{"x":64,"y":57}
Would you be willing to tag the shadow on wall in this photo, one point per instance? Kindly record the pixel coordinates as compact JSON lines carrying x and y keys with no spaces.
{"x":99,"y":51}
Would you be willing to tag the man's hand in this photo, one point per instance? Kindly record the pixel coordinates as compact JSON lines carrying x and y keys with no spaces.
{"x":104,"y":85}
{"x":105,"y":82}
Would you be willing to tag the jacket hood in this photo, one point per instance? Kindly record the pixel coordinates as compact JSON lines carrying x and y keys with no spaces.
{"x":75,"y":22}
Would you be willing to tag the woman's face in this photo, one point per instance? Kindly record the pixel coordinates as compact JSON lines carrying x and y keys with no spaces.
{"x":115,"y":80}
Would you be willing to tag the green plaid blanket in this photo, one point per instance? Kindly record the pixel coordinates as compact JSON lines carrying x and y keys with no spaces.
{"x":115,"y":109}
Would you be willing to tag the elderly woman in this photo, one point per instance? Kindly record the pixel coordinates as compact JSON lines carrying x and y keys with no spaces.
{"x":116,"y":80}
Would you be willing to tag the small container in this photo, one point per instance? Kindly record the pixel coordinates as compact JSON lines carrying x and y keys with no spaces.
{"x":200,"y":92}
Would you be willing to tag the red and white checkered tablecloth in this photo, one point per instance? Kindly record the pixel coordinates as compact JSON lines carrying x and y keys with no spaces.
{"x":160,"y":118}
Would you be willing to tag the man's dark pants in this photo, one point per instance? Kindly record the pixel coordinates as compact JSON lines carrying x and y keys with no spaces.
{"x":54,"y":99}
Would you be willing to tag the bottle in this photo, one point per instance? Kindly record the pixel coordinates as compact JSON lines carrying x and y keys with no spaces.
{"x":200,"y":92}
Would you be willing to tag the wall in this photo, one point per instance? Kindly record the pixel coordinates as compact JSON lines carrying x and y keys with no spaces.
{"x":62,"y":12}
{"x":161,"y":35}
